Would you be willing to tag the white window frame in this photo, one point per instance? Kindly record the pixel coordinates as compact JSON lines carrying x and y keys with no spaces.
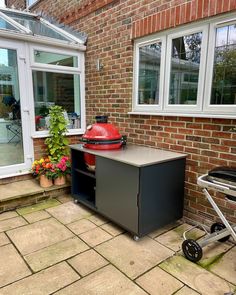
{"x":79,"y":70}
{"x":212,"y":108}
{"x":203,"y":107}
{"x":144,"y":107}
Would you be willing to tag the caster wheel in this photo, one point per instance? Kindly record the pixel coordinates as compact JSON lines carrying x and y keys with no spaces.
{"x":218,"y":227}
{"x":76,"y":201}
{"x":136,"y":238}
{"x":192,"y":250}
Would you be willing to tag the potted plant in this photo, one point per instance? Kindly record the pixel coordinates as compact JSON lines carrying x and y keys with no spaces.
{"x":44,"y":170}
{"x":57,"y":144}
{"x":61,"y":169}
{"x":57,"y":141}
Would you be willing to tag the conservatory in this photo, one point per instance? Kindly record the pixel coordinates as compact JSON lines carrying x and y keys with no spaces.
{"x":41,"y":64}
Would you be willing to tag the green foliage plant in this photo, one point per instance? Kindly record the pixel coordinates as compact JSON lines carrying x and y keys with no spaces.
{"x":57,"y":143}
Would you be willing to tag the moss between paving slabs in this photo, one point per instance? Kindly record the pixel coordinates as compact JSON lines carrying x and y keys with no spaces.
{"x":209,"y":262}
{"x":38,"y":207}
{"x":194,"y":233}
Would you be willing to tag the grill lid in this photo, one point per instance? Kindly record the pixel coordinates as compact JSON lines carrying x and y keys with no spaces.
{"x":101,"y":131}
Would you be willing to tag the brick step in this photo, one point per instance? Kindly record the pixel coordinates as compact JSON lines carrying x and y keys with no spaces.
{"x":27,"y":192}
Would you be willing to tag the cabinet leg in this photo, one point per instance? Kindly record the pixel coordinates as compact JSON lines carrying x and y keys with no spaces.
{"x":136,"y":238}
{"x":76,"y":201}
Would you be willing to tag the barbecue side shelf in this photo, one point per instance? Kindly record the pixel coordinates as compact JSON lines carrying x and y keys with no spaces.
{"x":138,"y":198}
{"x":83,"y":181}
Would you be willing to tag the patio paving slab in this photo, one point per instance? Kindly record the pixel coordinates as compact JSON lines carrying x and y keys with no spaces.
{"x":11,"y":223}
{"x":44,"y":282}
{"x":225,"y":267}
{"x":19,"y":189}
{"x":80,"y":262}
{"x":106,"y":281}
{"x":69,"y":212}
{"x":213,"y":252}
{"x":36,"y":216}
{"x":95,"y":236}
{"x":98,"y":219}
{"x":112,"y":229}
{"x":164,"y":229}
{"x":109,"y":268}
{"x":196,"y":277}
{"x":7,"y":215}
{"x":173,"y":239}
{"x":131,"y":257}
{"x":65,"y":198}
{"x":159,"y":282}
{"x":81,"y":226}
{"x":12,"y":266}
{"x":4,"y":239}
{"x":186,"y":291}
{"x":38,"y":235}
{"x":37,"y":207}
{"x":55,"y":253}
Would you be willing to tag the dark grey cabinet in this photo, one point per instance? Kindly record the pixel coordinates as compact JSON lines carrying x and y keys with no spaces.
{"x":140,"y":189}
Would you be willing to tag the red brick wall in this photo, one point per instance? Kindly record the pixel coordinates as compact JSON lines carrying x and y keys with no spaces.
{"x":40,"y":147}
{"x":19,"y":4}
{"x":110,"y":26}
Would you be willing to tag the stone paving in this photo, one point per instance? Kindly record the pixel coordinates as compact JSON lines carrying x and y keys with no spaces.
{"x":59,"y":247}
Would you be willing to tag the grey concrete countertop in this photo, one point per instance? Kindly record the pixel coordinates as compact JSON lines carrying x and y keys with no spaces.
{"x":135,"y":155}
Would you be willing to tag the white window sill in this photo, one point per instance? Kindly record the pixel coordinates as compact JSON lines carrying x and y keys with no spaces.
{"x":46,"y":134}
{"x":195,"y":115}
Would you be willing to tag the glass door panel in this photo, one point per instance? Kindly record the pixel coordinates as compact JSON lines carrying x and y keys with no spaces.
{"x":11,"y":147}
{"x":15,"y":149}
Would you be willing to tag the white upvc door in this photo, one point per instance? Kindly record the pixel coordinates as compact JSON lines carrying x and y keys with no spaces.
{"x":16,"y":144}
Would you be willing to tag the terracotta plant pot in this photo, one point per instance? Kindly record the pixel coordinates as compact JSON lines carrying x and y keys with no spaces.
{"x":44,"y":181}
{"x":60,"y":180}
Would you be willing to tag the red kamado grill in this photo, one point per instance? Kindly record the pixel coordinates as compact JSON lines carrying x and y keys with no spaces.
{"x":101,"y":136}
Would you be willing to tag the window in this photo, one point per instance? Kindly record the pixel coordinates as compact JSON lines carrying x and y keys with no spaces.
{"x":56,"y":80}
{"x":52,"y":58}
{"x":149,"y":73}
{"x":31,"y":2}
{"x":150,"y":57}
{"x":196,"y":74}
{"x":224,"y":67}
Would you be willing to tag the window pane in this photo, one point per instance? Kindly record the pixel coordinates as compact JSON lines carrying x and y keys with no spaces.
{"x":6,"y":26}
{"x":224,"y":70}
{"x":149,"y":73}
{"x":56,"y":89}
{"x":185,"y":64}
{"x":30,"y":2}
{"x":55,"y":59}
{"x":11,"y":144}
{"x":38,"y":28}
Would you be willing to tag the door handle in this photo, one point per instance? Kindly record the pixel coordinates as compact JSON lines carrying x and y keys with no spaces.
{"x":26,"y":111}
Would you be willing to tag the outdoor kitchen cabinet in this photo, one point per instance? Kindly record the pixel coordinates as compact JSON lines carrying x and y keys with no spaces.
{"x":139,"y":188}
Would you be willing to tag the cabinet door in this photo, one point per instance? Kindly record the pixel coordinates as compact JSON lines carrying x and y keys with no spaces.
{"x":117,"y":192}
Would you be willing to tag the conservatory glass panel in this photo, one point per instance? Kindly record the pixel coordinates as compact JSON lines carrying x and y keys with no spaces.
{"x":55,"y":59}
{"x":56,"y":89}
{"x":34,"y":24}
{"x":11,"y":143}
{"x":6,"y":26}
{"x":38,"y":28}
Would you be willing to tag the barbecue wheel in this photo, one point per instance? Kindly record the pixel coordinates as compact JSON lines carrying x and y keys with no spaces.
{"x":192,"y":250}
{"x":218,"y":227}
